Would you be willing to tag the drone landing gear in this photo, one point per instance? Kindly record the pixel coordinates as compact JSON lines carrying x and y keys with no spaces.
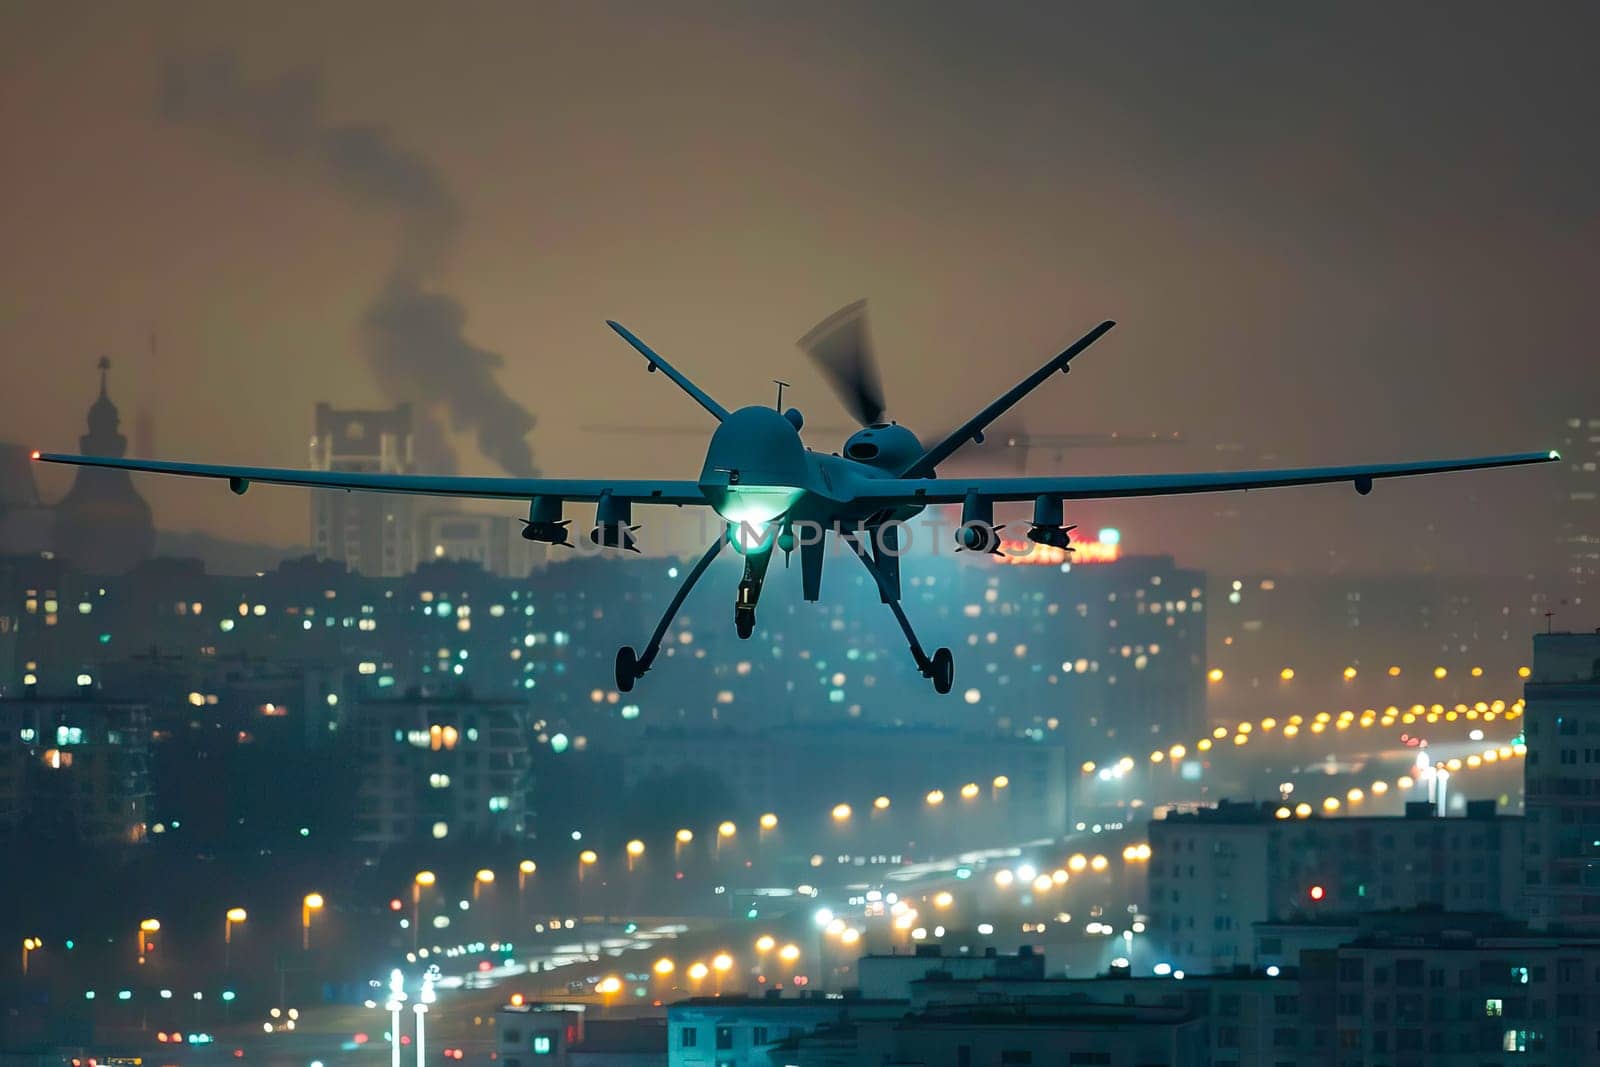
{"x":940,"y":667}
{"x":744,"y":607}
{"x":630,"y":665}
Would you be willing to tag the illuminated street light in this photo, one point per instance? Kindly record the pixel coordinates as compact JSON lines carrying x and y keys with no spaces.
{"x":765,"y":943}
{"x":721,"y":963}
{"x":234,"y":915}
{"x":725,"y":832}
{"x":663,"y":967}
{"x":484,"y":877}
{"x":1098,"y":863}
{"x":789,"y":953}
{"x":587,"y":858}
{"x":850,"y":936}
{"x":969,"y":791}
{"x":1003,"y":878}
{"x":1000,"y":781}
{"x":1077,"y":862}
{"x":29,"y":945}
{"x":881,"y":804}
{"x":312,"y":903}
{"x":698,"y":971}
{"x":935,"y":797}
{"x":841,"y":813}
{"x":421,"y":881}
{"x":634,"y":849}
{"x":524,"y":870}
{"x":146,"y":927}
{"x":943,"y":899}
{"x":397,"y":996}
{"x":769,"y":821}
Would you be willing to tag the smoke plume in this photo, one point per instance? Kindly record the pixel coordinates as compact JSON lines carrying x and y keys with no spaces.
{"x":414,"y":340}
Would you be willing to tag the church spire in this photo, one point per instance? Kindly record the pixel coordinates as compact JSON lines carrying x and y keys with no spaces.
{"x":103,"y":438}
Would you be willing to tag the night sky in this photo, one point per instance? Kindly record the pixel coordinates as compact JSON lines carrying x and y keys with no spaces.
{"x":1331,"y":233}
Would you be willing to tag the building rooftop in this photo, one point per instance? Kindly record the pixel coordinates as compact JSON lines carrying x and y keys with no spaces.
{"x":1251,"y":813}
{"x":623,"y":1035}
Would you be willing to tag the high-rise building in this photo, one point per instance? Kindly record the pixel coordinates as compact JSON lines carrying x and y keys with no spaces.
{"x":494,"y":542}
{"x":445,"y":768}
{"x":74,"y":769}
{"x":373,"y":533}
{"x":1580,"y":500}
{"x":1562,"y":792}
{"x":1215,"y":872}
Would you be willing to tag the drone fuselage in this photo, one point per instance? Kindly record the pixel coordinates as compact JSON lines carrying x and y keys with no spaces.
{"x":758,"y":470}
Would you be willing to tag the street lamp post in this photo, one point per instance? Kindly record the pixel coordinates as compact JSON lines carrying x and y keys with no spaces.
{"x":482,"y":878}
{"x":635,"y":849}
{"x":313,"y":902}
{"x":721,"y":963}
{"x":29,"y":945}
{"x":147,"y":926}
{"x":422,"y":880}
{"x":524,"y":869}
{"x":397,"y":994}
{"x":235,"y":915}
{"x":679,"y":840}
{"x":421,"y":1008}
{"x":725,"y":832}
{"x":587,"y":858}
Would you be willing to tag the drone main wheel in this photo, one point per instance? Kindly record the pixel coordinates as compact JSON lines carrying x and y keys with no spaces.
{"x":627,"y":669}
{"x":942,"y":670}
{"x":745,"y":623}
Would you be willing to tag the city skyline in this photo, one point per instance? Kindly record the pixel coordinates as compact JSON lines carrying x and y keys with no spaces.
{"x":1385,"y":313}
{"x":336,"y":747}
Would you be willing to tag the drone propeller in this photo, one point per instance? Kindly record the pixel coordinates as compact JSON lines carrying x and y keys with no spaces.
{"x":841,"y":349}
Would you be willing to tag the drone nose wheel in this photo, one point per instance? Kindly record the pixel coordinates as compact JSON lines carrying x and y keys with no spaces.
{"x":744,"y":621}
{"x":628,"y":670}
{"x":942,"y":668}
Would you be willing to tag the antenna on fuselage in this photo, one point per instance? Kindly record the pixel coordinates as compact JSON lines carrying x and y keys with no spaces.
{"x":781,"y":386}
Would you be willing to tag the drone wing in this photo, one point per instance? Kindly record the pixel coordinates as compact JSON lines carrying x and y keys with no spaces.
{"x":892,"y":491}
{"x":639,"y":491}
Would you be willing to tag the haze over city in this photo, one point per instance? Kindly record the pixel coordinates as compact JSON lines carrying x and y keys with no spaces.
{"x":1355,"y":234}
{"x":340,"y":724}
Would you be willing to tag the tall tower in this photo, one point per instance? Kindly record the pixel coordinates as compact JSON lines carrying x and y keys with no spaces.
{"x":374,"y":533}
{"x":103,"y":525}
{"x":1580,"y":502}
